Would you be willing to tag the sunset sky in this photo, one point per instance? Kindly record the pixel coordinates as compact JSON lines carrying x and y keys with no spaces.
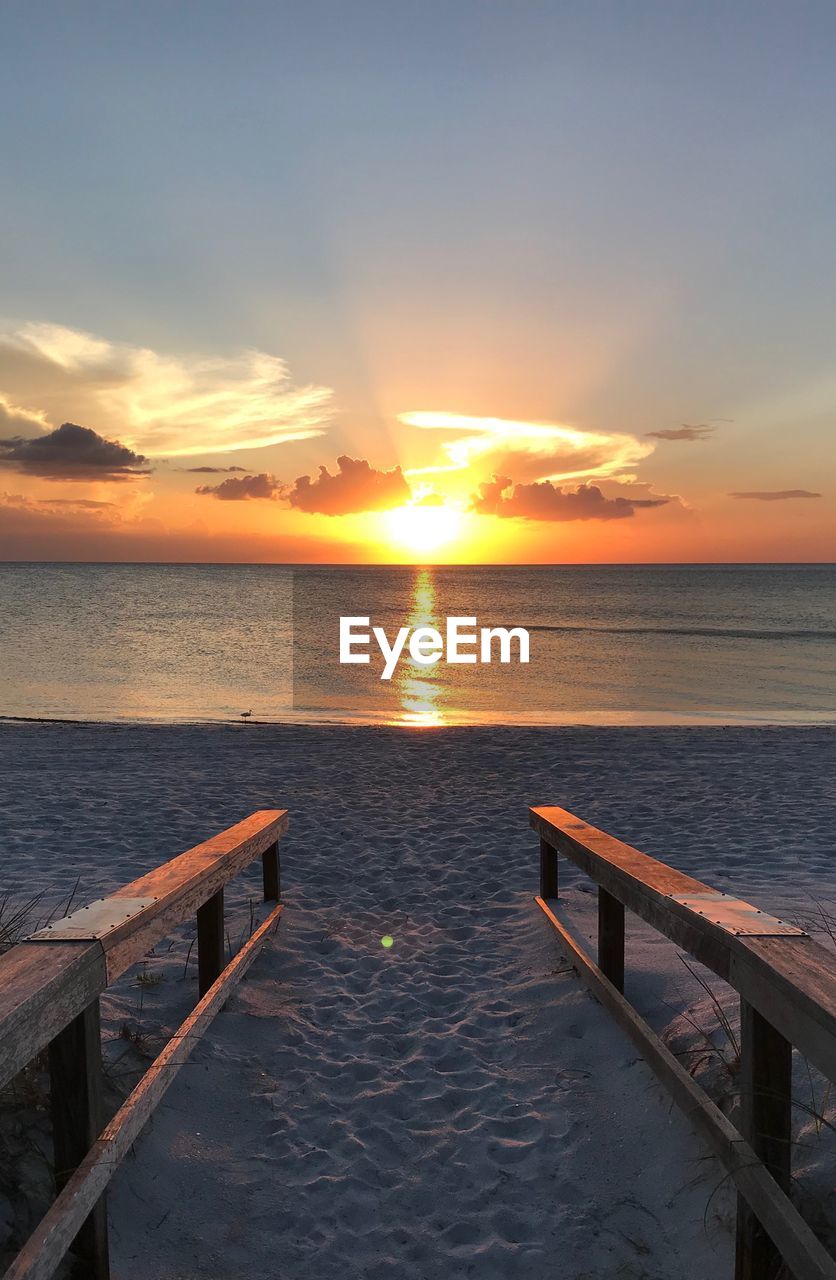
{"x":453,"y":281}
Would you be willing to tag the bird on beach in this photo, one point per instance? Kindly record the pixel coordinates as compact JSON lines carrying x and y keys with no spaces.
{"x":245,"y":715}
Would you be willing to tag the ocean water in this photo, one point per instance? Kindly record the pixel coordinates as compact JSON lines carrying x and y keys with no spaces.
{"x":609,"y":645}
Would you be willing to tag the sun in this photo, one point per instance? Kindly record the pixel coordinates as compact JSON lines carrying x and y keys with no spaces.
{"x":422,"y":528}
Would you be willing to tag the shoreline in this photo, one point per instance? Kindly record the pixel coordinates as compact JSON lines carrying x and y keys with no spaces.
{"x":484,"y":726}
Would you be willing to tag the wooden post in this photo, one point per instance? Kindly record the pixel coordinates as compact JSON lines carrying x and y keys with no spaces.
{"x":765,"y":1097}
{"x":210,"y":941}
{"x":75,"y":1071}
{"x":548,"y":870}
{"x":271,"y":868}
{"x":611,"y":938}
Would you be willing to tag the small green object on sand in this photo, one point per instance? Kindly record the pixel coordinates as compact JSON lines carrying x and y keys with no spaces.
{"x":387,"y":940}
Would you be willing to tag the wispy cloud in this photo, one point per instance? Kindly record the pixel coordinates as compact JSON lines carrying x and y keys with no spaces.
{"x":55,"y":503}
{"x":528,"y":450}
{"x":209,"y":471}
{"x":775,"y":495}
{"x":688,"y":431}
{"x":20,"y":422}
{"x":59,"y":529}
{"x":17,"y":510}
{"x":159,"y":404}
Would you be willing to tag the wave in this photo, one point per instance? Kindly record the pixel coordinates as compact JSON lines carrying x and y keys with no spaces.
{"x":722,"y":633}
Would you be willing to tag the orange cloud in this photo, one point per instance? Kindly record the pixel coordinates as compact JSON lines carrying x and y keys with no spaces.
{"x":357,"y":486}
{"x":546,"y":501}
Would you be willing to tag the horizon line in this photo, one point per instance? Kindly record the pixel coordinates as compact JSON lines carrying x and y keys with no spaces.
{"x":434,"y":564}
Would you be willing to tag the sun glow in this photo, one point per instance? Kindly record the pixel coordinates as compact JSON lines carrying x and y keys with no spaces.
{"x":422,"y":528}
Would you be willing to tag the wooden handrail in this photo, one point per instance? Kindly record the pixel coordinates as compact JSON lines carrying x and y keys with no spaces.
{"x":787,"y":985}
{"x":49,"y":998}
{"x":803,"y":1252}
{"x":44,"y":985}
{"x":53,"y":1236}
{"x":791,"y":981}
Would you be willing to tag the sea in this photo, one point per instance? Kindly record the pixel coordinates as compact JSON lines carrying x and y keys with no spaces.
{"x":666,"y":644}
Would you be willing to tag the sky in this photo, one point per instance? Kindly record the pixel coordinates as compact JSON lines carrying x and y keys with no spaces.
{"x":383,"y":281}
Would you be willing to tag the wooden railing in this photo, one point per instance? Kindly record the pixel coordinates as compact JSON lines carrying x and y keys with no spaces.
{"x":49,"y":999}
{"x":787,"y":988}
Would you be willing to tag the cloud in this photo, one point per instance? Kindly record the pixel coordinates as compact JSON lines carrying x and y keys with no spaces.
{"x":235,"y":490}
{"x":32,"y":529}
{"x":18,"y":421}
{"x":530,"y":450}
{"x":209,"y":471}
{"x":688,"y":431}
{"x":776,"y":495}
{"x":58,"y":506}
{"x":546,"y":501}
{"x":72,"y":453}
{"x":79,"y":504}
{"x":161,"y":405}
{"x":357,"y":486}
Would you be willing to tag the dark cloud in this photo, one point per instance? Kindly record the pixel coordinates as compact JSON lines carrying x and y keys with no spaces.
{"x":546,"y":501}
{"x":688,"y":431}
{"x":81,"y":504}
{"x":72,"y":453}
{"x":232,"y":490}
{"x":776,"y":495}
{"x":355,"y":487}
{"x":210,"y":471}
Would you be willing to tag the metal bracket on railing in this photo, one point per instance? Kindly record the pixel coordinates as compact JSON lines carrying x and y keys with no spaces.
{"x":93,"y":922}
{"x":736,"y":916}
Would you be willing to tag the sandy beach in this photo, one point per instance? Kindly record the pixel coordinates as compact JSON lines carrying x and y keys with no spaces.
{"x":457,"y":1104}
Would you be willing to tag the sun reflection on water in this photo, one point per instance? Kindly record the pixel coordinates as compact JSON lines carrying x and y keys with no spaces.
{"x":419,"y":688}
